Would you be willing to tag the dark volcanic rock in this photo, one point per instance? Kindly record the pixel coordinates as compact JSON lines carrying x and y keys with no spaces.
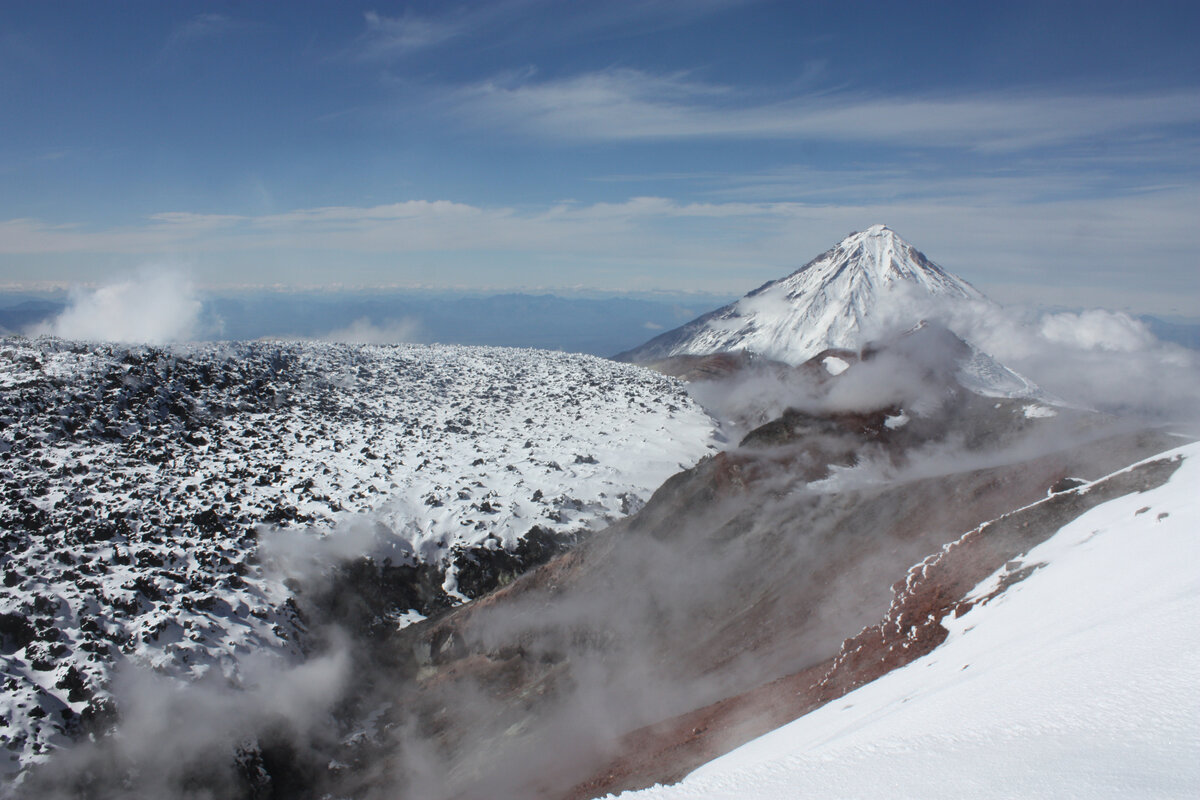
{"x":480,"y":570}
{"x":16,"y":631}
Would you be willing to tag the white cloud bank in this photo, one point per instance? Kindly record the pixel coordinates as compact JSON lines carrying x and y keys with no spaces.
{"x":155,"y":306}
{"x":1102,"y":359}
{"x":1105,"y":360}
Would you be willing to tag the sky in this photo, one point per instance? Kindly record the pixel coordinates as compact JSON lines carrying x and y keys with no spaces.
{"x":1048,"y":152}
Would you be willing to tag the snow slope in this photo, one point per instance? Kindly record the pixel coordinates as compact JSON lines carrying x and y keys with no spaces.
{"x":837,"y":300}
{"x":1083,"y":680}
{"x":135,"y":482}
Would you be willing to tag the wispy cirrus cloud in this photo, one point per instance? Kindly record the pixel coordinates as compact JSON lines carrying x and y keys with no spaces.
{"x":510,"y":22}
{"x":410,"y":226}
{"x":628,"y":104}
{"x":633,"y":18}
{"x":1004,"y":181}
{"x":388,"y":37}
{"x":202,"y":27}
{"x":163,"y":232}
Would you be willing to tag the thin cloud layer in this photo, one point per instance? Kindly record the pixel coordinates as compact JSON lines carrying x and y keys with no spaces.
{"x":1068,"y":251}
{"x":505,"y":21}
{"x":386,"y":37}
{"x":630,"y":104}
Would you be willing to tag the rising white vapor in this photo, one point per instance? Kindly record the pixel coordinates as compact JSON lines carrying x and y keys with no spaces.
{"x":155,"y":306}
{"x":364,"y":331}
{"x":1105,"y":360}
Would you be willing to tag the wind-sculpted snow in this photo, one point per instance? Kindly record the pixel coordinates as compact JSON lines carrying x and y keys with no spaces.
{"x":135,"y":483}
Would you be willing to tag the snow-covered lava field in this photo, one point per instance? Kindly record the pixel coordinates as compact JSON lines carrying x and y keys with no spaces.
{"x":137,"y":482}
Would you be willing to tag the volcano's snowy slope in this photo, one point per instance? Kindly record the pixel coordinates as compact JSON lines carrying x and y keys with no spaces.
{"x":840,"y":299}
{"x":133,"y":482}
{"x":1083,"y":680}
{"x":871,"y":285}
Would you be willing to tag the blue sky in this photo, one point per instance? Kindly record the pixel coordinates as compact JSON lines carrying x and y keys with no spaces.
{"x":1048,"y":152}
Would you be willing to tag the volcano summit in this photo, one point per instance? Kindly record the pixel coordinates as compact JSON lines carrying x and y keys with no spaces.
{"x":837,"y":300}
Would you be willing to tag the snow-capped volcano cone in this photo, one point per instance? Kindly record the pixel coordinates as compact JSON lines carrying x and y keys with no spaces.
{"x":838,"y":300}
